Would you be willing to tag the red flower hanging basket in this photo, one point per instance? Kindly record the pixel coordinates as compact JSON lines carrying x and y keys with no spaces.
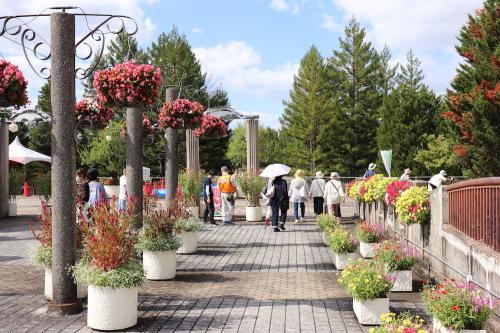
{"x":181,"y":114}
{"x":211,"y":126}
{"x":128,"y":84}
{"x":91,"y":110}
{"x":12,"y":86}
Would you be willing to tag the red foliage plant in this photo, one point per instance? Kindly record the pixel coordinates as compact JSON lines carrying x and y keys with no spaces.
{"x":109,"y":242}
{"x":394,"y":190}
{"x":44,"y":236}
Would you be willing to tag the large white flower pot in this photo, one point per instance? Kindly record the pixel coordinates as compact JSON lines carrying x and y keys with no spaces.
{"x":112,"y":309}
{"x":253,"y":214}
{"x":324,"y":237}
{"x":402,"y":281}
{"x":437,"y":327}
{"x":12,"y":209}
{"x":342,"y":259}
{"x":159,"y":265}
{"x":367,"y":249}
{"x":194,"y":211}
{"x":369,"y":311}
{"x":189,"y":243}
{"x":81,"y":289}
{"x":112,"y":190}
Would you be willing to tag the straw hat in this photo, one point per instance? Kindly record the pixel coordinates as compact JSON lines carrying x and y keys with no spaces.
{"x":334,"y":175}
{"x":299,"y":173}
{"x":319,"y":174}
{"x":372,"y":166}
{"x":407,"y":171}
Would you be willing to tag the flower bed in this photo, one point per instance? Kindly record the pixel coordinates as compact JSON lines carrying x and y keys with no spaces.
{"x":181,"y":114}
{"x":402,"y":323}
{"x":375,"y":188}
{"x":368,"y":233}
{"x":413,"y":206}
{"x":12,"y":85}
{"x":211,"y":126}
{"x":91,"y":110}
{"x":394,"y":190}
{"x":395,"y":256}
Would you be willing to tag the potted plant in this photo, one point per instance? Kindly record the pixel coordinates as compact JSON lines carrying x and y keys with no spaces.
{"x":368,"y":285}
{"x":12,"y":86}
{"x":394,"y":190}
{"x":12,"y":205}
{"x":457,"y":306}
{"x":190,"y":184}
{"x":404,"y":323}
{"x":109,"y":267}
{"x":42,"y":254}
{"x":398,"y":260}
{"x":252,"y":186}
{"x":368,"y":235}
{"x":343,"y":245}
{"x":158,"y":242}
{"x":187,"y":227}
{"x":326,"y":224}
{"x":413,"y":206}
{"x":111,"y":186}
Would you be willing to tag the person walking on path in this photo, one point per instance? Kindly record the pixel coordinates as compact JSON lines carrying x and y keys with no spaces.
{"x":269,"y":213}
{"x":405,"y":175}
{"x":97,"y":193}
{"x":208,"y":198}
{"x":277,"y":194}
{"x":334,"y":195}
{"x":437,"y":180}
{"x":298,"y":194}
{"x":227,"y":188}
{"x":122,"y":196}
{"x":317,"y":193}
{"x":370,"y":172}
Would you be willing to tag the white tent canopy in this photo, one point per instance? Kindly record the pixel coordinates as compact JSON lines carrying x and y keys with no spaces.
{"x":20,"y":154}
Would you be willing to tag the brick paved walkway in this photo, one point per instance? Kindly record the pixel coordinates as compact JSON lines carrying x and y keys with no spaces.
{"x":244,"y":278}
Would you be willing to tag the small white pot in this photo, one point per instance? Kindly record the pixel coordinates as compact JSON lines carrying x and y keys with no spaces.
{"x":159,"y":265}
{"x":12,"y":209}
{"x":437,"y":327}
{"x":324,"y":237}
{"x":369,"y":311}
{"x":367,"y":249}
{"x":253,"y":214}
{"x":402,"y":281}
{"x":112,"y":190}
{"x":81,"y":289}
{"x":189,"y":243}
{"x":194,"y":211}
{"x":112,"y":309}
{"x":342,"y":259}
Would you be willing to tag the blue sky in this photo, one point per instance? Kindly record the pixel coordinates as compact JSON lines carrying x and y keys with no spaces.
{"x":252,"y":48}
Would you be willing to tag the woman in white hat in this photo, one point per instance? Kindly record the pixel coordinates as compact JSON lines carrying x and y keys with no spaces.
{"x":334,"y":194}
{"x":370,"y":172}
{"x":298,"y":193}
{"x":317,"y":193}
{"x":405,"y":175}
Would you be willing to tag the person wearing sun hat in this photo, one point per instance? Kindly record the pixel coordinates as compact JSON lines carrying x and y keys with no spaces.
{"x":437,"y":180}
{"x":298,"y":194}
{"x":370,"y":172}
{"x":317,"y":192}
{"x":334,"y":195}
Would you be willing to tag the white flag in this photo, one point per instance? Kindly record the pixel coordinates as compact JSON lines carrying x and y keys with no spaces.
{"x":387,"y":159}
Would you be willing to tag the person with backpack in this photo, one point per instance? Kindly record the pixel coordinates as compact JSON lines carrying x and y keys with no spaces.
{"x":334,"y":195}
{"x":317,"y":193}
{"x":277,"y":194}
{"x":298,"y":193}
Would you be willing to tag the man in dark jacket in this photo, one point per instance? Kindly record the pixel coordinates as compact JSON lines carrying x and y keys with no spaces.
{"x":208,"y":198}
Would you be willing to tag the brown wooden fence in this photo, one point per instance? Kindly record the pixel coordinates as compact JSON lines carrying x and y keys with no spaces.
{"x":474,"y":209}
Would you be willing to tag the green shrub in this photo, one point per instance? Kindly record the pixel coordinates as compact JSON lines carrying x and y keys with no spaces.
{"x":251,"y":186}
{"x":190,"y":184}
{"x":327,"y":222}
{"x":42,"y":184}
{"x":191,"y":224}
{"x":342,"y":242}
{"x":16,"y":181}
{"x":42,"y":256}
{"x":127,"y":276}
{"x":364,"y":280}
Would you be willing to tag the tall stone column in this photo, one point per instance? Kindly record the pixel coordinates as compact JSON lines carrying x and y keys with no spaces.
{"x":62,"y":27}
{"x":4,"y":170}
{"x":252,"y":126}
{"x":171,"y":154}
{"x":134,"y":158}
{"x":192,"y":151}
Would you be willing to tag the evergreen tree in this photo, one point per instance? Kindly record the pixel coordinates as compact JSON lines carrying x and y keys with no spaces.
{"x":387,"y":72}
{"x":474,"y":97}
{"x":306,"y":112}
{"x":408,"y":113}
{"x":349,"y":141}
{"x":39,"y":133}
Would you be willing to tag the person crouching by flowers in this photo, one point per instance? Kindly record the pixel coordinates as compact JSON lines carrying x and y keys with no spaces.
{"x":334,"y":195}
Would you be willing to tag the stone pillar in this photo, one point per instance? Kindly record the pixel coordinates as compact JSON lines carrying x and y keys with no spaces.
{"x":171,"y":154}
{"x":62,"y":27}
{"x":252,"y":145}
{"x":192,"y":151}
{"x":134,"y":160}
{"x":4,"y":169}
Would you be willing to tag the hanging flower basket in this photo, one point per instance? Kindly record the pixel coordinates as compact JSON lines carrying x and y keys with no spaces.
{"x":413,"y":206}
{"x":93,"y":111}
{"x":12,"y":86}
{"x":181,"y":114}
{"x":211,"y":126}
{"x":128,"y":84}
{"x":394,"y":190}
{"x":147,"y":127}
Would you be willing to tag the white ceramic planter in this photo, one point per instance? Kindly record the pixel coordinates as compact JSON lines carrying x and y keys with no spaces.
{"x":324,"y":237}
{"x":112,"y":309}
{"x":112,"y":190}
{"x":253,"y":214}
{"x":12,"y":209}
{"x":159,"y":265}
{"x":189,"y":243}
{"x":81,"y":289}
{"x":402,"y":281}
{"x":369,"y":312}
{"x":437,"y":327}
{"x":341,"y":259}
{"x":367,"y":249}
{"x":194,"y":211}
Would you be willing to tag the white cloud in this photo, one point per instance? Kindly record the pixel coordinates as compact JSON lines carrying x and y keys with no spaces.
{"x":330,"y":24}
{"x":279,"y":5}
{"x":236,"y":65}
{"x":197,"y":31}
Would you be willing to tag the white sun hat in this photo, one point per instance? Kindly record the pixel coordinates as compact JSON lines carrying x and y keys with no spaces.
{"x":372,"y":166}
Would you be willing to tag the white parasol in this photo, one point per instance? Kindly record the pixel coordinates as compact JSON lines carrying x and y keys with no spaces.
{"x":275,"y":170}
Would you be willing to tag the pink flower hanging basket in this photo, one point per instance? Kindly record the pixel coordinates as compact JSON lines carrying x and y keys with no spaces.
{"x":12,"y":86}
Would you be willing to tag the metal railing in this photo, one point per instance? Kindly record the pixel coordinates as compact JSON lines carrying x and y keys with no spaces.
{"x":474,"y":209}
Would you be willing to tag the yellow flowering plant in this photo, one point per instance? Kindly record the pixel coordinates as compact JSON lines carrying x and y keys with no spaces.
{"x":413,"y":206}
{"x":352,"y":189}
{"x":364,"y":280}
{"x":402,"y":323}
{"x":327,"y":223}
{"x":375,"y":187}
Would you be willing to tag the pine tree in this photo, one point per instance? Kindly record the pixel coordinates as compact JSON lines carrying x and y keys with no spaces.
{"x":474,"y":98}
{"x":306,"y":112}
{"x":408,"y":114}
{"x":39,"y":133}
{"x":387,"y":72}
{"x":349,"y":141}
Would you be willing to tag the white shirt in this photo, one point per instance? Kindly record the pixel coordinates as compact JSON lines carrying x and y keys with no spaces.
{"x":123,"y":188}
{"x":317,"y":187}
{"x":436,"y":180}
{"x":405,"y":176}
{"x":296,"y":188}
{"x":334,"y":193}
